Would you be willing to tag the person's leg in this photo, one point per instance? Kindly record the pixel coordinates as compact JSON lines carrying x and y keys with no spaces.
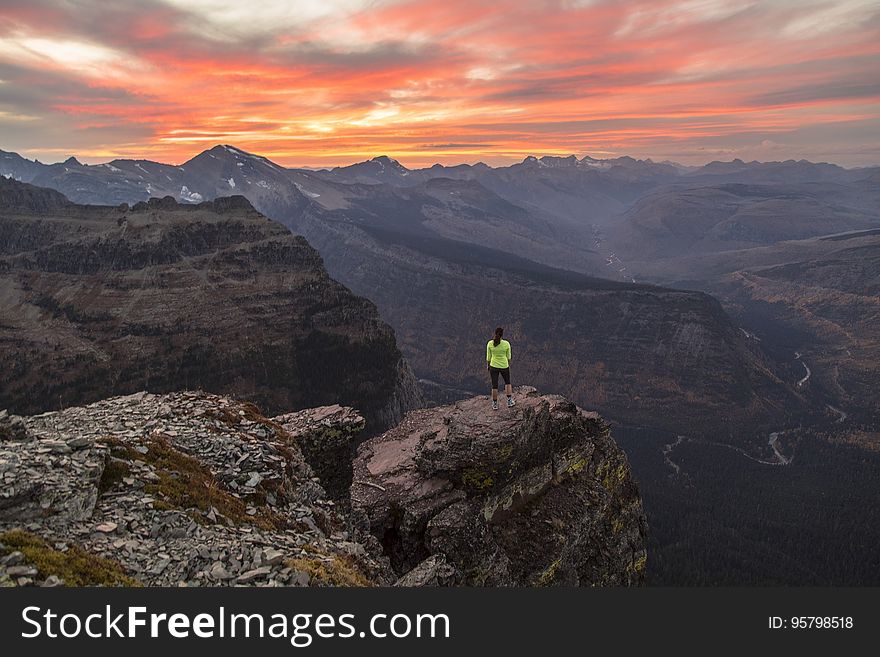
{"x":493,"y":372}
{"x":508,"y":389}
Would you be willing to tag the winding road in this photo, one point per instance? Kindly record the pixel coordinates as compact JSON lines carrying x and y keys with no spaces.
{"x":797,"y":356}
{"x":667,"y":450}
{"x":780,"y":458}
{"x":842,"y":415}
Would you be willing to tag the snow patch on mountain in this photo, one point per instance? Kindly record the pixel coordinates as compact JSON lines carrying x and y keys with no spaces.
{"x":305,"y":191}
{"x":190,"y":197}
{"x":258,"y":158}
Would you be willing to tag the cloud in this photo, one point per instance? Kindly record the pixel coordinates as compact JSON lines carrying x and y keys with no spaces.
{"x":833,"y":91}
{"x":823,"y":18}
{"x":669,"y":16}
{"x":448,"y":147}
{"x":321,"y":82}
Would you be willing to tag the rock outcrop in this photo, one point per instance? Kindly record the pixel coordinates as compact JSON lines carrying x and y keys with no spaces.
{"x":328,"y":437}
{"x":99,"y":301}
{"x":169,"y":490}
{"x":11,"y":426}
{"x":538,"y":494}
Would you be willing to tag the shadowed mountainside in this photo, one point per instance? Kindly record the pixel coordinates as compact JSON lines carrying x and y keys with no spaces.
{"x":161,"y":296}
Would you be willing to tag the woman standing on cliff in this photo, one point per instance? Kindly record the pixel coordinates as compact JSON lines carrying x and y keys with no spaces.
{"x":498,"y":362}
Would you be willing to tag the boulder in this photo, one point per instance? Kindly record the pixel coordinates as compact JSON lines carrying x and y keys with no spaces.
{"x":433,"y":571}
{"x":12,"y":427}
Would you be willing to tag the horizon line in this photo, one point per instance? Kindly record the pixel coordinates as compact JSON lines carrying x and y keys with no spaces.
{"x":90,"y":161}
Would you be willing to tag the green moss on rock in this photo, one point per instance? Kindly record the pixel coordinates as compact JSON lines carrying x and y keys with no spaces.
{"x":330,"y":570}
{"x":547,"y":577}
{"x":612,"y":476}
{"x":75,"y":566}
{"x":640,"y":564}
{"x":576,"y":466}
{"x":185,"y":484}
{"x":477,"y":480}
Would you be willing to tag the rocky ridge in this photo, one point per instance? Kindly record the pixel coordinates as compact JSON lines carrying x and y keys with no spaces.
{"x":183,"y":489}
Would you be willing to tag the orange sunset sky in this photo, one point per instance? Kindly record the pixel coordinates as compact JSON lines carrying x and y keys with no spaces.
{"x":327,"y":82}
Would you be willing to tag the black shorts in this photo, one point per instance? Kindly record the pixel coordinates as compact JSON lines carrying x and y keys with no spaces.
{"x":495,"y":371}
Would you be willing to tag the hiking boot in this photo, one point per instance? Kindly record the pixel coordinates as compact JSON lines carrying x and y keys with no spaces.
{"x":510,"y":402}
{"x":494,"y":405}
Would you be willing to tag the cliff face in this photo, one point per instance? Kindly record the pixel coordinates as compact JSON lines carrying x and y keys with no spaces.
{"x":534,"y":495}
{"x":99,"y":301}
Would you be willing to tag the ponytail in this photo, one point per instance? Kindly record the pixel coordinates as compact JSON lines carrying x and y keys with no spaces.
{"x":498,"y":333}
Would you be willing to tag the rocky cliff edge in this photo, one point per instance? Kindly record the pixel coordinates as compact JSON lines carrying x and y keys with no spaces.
{"x":537,"y":494}
{"x":196,"y":489}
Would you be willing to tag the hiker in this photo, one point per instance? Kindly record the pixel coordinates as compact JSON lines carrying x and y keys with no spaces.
{"x":498,"y":362}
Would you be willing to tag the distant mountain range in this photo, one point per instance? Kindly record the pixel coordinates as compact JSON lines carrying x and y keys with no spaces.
{"x":562,"y":211}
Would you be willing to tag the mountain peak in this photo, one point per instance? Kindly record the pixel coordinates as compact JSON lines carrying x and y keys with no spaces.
{"x":559,"y":161}
{"x":227,"y":153}
{"x":232,"y":149}
{"x":225,"y":150}
{"x":384,"y":160}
